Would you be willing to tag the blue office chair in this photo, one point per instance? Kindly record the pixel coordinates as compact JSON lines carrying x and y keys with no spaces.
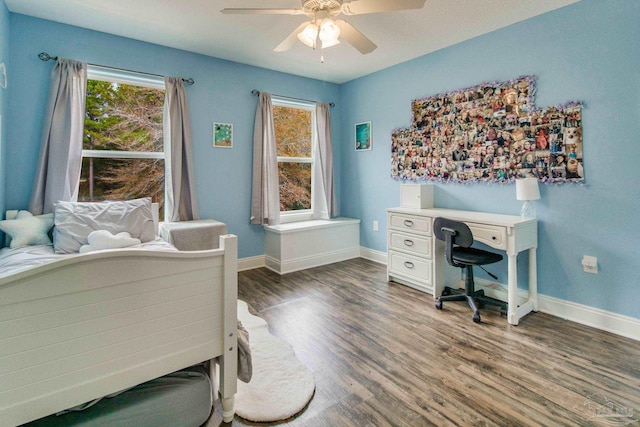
{"x":458,"y":240}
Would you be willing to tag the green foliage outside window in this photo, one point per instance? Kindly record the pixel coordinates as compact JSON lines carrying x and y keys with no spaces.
{"x":122,"y":117}
{"x":293,"y":133}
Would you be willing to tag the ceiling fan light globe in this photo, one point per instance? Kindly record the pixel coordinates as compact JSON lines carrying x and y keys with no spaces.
{"x":308,"y":35}
{"x":329,"y":33}
{"x":330,"y":43}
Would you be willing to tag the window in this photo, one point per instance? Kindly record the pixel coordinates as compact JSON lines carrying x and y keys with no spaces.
{"x":295,"y":133}
{"x":123,"y":154}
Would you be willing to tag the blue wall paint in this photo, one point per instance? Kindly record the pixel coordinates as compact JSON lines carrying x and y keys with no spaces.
{"x":4,"y":57}
{"x":587,"y":52}
{"x":222,"y":93}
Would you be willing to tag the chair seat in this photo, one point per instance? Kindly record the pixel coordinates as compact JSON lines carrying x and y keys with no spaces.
{"x":474,"y":256}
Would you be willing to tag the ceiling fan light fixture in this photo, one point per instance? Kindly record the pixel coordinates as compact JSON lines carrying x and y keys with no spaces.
{"x":309,"y":34}
{"x":329,"y":33}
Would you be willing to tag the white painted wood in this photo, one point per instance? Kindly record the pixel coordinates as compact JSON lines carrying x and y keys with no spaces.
{"x":297,"y":246}
{"x":510,"y":233}
{"x":93,"y":324}
{"x":409,"y":244}
{"x":418,"y":196}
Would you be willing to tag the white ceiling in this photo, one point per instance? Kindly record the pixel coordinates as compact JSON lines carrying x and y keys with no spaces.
{"x":198,"y":26}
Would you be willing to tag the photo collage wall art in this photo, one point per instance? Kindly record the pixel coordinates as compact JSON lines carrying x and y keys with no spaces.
{"x":489,"y":132}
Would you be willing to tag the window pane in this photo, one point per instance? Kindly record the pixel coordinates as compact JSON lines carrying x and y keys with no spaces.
{"x":122,"y":179}
{"x":293,"y":131}
{"x":123,"y":117}
{"x":295,"y":186}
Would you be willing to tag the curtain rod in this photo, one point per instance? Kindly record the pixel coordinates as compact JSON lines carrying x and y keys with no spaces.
{"x":257,"y":93}
{"x":44,"y":56}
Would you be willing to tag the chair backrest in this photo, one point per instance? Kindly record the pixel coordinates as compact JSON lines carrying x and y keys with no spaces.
{"x":460,"y":232}
{"x":452,"y":233}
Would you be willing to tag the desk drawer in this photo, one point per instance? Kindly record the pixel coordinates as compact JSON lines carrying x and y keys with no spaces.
{"x":410,"y":266}
{"x":418,"y":245}
{"x":491,"y":235}
{"x":412,"y":223}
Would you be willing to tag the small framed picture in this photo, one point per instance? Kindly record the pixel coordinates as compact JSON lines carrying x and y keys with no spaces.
{"x":223,"y":135}
{"x":363,"y":136}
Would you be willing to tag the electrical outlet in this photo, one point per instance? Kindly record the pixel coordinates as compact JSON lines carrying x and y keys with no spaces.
{"x":375,"y":225}
{"x":590,"y":264}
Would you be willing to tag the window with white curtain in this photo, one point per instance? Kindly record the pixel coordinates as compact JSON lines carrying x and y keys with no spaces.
{"x":123,"y":154}
{"x":295,"y":132}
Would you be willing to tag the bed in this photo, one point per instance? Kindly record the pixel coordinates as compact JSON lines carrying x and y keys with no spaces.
{"x":82,"y":326}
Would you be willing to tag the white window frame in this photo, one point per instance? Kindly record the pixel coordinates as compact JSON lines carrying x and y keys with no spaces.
{"x":95,"y":72}
{"x":301,"y":214}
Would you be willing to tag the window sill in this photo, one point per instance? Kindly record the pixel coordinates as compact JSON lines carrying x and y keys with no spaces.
{"x":293,"y":227}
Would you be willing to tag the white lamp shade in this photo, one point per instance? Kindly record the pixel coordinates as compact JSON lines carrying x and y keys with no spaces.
{"x":527,"y":189}
{"x":329,"y":33}
{"x":308,"y":35}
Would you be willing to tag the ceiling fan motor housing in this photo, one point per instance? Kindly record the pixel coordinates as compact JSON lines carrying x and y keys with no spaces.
{"x":312,"y":6}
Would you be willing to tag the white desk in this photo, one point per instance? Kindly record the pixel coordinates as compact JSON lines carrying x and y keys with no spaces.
{"x":416,"y":257}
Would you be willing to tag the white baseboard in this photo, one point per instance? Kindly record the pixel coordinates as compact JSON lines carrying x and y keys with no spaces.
{"x":251,"y":262}
{"x":600,"y":319}
{"x":316,"y":260}
{"x":594,"y":317}
{"x":372,"y":255}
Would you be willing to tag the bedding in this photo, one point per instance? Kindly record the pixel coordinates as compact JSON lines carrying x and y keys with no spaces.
{"x":74,"y":221}
{"x":15,"y":260}
{"x":182,"y":399}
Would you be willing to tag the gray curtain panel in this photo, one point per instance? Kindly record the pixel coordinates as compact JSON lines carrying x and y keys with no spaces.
{"x":324,"y":197}
{"x":58,"y":173}
{"x":179,"y":178}
{"x":265,"y":191}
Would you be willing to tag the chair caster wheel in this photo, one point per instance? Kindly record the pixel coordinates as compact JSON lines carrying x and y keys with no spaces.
{"x":476,"y":317}
{"x":446,"y":291}
{"x":503,"y":312}
{"x":439,"y":305}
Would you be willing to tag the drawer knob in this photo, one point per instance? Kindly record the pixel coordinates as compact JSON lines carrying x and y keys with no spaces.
{"x":408,"y":264}
{"x":408,"y":223}
{"x":408,"y":242}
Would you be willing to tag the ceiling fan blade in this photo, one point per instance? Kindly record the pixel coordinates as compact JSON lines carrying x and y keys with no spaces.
{"x":355,"y":37}
{"x":374,"y":6}
{"x":291,"y":39}
{"x":262,"y":11}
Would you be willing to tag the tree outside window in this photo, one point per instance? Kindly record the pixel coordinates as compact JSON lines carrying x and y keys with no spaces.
{"x":123,"y":150}
{"x":295,"y":135}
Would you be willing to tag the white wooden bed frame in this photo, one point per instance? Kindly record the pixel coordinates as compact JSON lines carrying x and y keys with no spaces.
{"x":93,"y":324}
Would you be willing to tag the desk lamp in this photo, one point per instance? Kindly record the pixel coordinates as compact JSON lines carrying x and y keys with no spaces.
{"x":527,"y":189}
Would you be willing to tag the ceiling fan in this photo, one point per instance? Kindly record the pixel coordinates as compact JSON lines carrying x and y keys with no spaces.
{"x":325,"y":27}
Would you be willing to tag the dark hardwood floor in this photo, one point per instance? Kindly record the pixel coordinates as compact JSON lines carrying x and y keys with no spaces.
{"x":382,"y":355}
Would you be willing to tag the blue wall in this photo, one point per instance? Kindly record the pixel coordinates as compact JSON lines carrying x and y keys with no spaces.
{"x":221,"y":93}
{"x":4,"y":57}
{"x":586,"y":52}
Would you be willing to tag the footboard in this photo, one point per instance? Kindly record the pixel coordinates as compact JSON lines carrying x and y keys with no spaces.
{"x":94,"y":324}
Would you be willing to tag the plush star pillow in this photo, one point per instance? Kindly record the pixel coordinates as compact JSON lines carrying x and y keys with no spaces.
{"x":27,"y":229}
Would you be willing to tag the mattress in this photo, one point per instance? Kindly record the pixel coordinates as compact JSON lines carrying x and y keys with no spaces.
{"x":183,"y":398}
{"x":15,"y":260}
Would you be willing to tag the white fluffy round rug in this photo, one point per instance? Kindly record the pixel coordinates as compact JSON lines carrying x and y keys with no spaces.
{"x":281,"y":386}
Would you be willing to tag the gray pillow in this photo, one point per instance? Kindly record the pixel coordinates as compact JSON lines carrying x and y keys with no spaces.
{"x":75,"y":221}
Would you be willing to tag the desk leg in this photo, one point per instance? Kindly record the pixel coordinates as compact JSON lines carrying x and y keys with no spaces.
{"x":512,"y":290}
{"x":533,"y":279}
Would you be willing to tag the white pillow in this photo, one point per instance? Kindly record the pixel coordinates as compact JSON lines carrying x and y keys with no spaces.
{"x":102,"y":239}
{"x":75,"y":221}
{"x":27,"y":229}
